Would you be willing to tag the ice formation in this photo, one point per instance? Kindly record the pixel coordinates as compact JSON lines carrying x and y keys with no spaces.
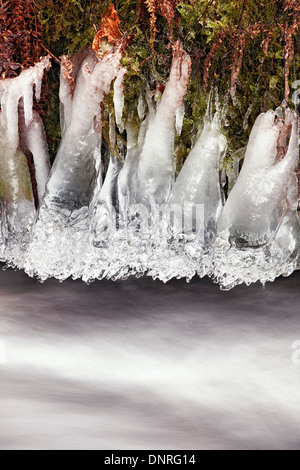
{"x":259,"y":228}
{"x":154,"y":165}
{"x":114,"y":208}
{"x":17,"y":203}
{"x":76,"y":171}
{"x":119,"y":95}
{"x":198,"y":181}
{"x":21,"y":137}
{"x":129,"y":203}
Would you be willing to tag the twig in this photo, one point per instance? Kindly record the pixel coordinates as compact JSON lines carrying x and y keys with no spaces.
{"x":50,"y":53}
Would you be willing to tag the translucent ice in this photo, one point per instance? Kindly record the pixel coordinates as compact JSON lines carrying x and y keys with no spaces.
{"x":153,"y":167}
{"x":13,"y":89}
{"x":259,"y":227}
{"x":119,"y":95}
{"x":33,"y":140}
{"x":259,"y":199}
{"x":179,"y":116}
{"x":198,"y":181}
{"x":113,"y":206}
{"x":128,"y":196}
{"x":17,"y":213}
{"x":73,"y":176}
{"x":104,"y":215}
{"x":193,"y":208}
{"x":156,"y":167}
{"x":21,"y":130}
{"x":62,"y":230}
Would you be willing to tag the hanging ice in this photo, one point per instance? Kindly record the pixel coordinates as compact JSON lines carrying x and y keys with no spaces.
{"x":13,"y":89}
{"x":198,"y":182}
{"x":179,"y":116}
{"x":119,"y":95}
{"x":104,"y":211}
{"x":259,"y":199}
{"x":186,"y":246}
{"x":21,"y":134}
{"x":85,"y":80}
{"x":33,"y":141}
{"x":76,"y":174}
{"x":73,"y":176}
{"x":259,"y":226}
{"x":155,"y":168}
{"x":17,"y":204}
{"x":113,"y":207}
{"x":154,"y":165}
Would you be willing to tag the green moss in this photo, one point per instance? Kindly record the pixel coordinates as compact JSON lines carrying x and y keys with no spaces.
{"x":68,"y":26}
{"x":15,"y":183}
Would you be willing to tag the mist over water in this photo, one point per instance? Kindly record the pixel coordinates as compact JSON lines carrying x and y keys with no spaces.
{"x":138,"y":364}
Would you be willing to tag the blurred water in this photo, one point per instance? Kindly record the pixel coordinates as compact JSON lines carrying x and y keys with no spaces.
{"x":142,"y":365}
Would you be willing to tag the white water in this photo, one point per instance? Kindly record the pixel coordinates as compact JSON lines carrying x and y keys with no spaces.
{"x":142,"y":365}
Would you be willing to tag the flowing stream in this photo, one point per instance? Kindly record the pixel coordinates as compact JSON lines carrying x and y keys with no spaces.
{"x":138,"y":364}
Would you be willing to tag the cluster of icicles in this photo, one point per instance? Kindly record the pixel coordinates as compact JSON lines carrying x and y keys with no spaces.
{"x":135,"y":217}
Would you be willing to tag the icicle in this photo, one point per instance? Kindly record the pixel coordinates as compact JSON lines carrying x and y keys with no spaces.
{"x":13,"y":89}
{"x":16,"y":194}
{"x":106,"y":202}
{"x":119,"y":95}
{"x":217,"y":101}
{"x":127,"y":184}
{"x":104,"y":218}
{"x":232,"y":169}
{"x":150,"y":104}
{"x":98,"y":164}
{"x":198,"y":181}
{"x":245,"y":212}
{"x":66,"y":90}
{"x":33,"y":138}
{"x":141,"y":107}
{"x":112,"y":133}
{"x":179,"y":119}
{"x":247,"y":115}
{"x":155,"y":171}
{"x":17,"y":212}
{"x":62,"y":231}
{"x":73,"y":176}
{"x":259,"y":229}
